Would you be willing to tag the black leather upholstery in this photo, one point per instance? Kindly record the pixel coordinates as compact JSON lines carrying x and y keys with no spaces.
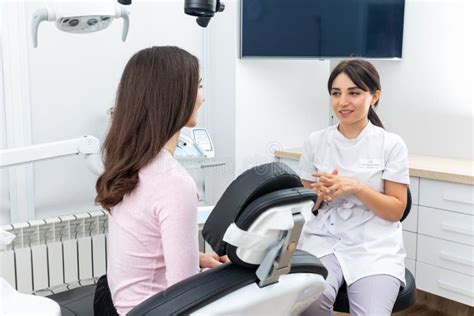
{"x":249,"y":186}
{"x":204,"y":288}
{"x":277,"y":198}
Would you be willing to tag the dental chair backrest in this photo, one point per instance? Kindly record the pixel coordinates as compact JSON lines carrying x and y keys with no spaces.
{"x":257,"y":223}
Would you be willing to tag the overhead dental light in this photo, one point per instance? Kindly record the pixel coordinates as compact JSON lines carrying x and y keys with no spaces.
{"x":203,"y":9}
{"x":83,"y":17}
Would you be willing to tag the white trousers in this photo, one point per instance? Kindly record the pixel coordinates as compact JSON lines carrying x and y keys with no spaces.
{"x":373,"y":295}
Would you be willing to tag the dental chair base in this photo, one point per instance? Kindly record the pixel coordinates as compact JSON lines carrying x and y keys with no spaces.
{"x":15,"y":303}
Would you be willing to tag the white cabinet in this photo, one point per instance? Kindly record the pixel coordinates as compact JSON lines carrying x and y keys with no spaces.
{"x":445,"y":239}
{"x":446,"y":225}
{"x":446,"y":283}
{"x":449,"y":196}
{"x":411,"y":222}
{"x":410,"y":265}
{"x":410,"y":243}
{"x":442,"y":253}
{"x":415,"y":189}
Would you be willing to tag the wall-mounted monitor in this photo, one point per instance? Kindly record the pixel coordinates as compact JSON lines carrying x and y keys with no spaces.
{"x":322,"y":28}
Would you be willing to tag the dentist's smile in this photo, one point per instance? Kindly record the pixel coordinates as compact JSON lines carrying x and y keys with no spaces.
{"x":345,"y":113}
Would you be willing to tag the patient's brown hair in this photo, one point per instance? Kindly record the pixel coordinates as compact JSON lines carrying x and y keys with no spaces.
{"x":155,"y":99}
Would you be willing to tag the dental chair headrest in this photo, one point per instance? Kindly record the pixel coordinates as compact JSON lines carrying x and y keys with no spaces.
{"x":251,"y":194}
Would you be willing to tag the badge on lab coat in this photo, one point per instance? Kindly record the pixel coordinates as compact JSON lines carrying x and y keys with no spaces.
{"x":370,"y":163}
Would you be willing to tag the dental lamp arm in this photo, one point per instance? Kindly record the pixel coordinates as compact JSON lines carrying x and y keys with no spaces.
{"x":86,"y":145}
{"x":39,"y":16}
{"x":125,"y":15}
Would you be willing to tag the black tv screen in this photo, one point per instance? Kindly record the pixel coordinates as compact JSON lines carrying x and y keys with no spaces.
{"x":322,"y":28}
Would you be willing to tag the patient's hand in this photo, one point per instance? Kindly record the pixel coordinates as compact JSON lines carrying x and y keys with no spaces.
{"x":211,"y":260}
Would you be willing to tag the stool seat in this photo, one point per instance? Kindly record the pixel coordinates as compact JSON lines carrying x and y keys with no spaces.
{"x":406,"y":296}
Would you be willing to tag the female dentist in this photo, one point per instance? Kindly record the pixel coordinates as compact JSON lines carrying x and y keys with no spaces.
{"x":360,"y":172}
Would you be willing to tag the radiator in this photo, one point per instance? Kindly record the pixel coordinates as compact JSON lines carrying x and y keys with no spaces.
{"x":56,"y":254}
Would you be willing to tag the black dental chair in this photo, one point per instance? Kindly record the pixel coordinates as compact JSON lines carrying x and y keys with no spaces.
{"x":257,"y":223}
{"x":406,"y":296}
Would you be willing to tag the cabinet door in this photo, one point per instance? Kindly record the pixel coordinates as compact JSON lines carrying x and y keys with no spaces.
{"x":411,"y":266}
{"x":411,"y":222}
{"x":446,"y":254}
{"x":414,"y":189}
{"x":444,"y":195}
{"x":409,"y":241}
{"x":446,"y":225}
{"x":452,"y":285}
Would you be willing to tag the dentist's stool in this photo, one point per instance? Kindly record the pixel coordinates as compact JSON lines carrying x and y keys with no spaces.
{"x":406,"y":296}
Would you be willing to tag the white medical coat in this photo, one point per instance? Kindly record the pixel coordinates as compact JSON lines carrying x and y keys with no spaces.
{"x":363,"y":243}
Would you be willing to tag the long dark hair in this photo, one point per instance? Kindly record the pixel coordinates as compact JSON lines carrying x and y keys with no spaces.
{"x":364,"y":75}
{"x":155,"y":99}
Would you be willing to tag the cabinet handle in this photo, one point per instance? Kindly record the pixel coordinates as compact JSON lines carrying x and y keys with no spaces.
{"x":454,"y":288}
{"x":450,"y":257}
{"x":210,"y":165}
{"x":457,"y":229}
{"x":448,"y":197}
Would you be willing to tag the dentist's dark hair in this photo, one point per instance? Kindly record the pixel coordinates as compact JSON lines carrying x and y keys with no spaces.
{"x":364,"y":75}
{"x":155,"y":99}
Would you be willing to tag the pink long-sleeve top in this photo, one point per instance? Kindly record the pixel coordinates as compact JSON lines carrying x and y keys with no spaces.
{"x":153,"y":233}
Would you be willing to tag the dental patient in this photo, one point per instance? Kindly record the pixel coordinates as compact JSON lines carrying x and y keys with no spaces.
{"x":150,"y":197}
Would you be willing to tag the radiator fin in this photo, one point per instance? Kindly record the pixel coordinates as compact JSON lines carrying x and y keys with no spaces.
{"x":70,"y":261}
{"x":24,"y":278}
{"x":84,"y":258}
{"x":40,"y":267}
{"x":55,"y":261}
{"x":99,"y":253}
{"x":7,"y":266}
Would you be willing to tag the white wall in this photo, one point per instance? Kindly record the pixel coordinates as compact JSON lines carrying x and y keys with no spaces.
{"x":279,"y":103}
{"x":261,"y":104}
{"x":221,"y":40}
{"x":427,"y":97}
{"x":4,"y":190}
{"x":72,"y":82}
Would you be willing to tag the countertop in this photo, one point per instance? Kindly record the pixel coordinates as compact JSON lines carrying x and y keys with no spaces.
{"x":444,"y":169}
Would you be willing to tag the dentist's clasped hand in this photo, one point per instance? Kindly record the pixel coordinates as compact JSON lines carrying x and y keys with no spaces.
{"x":330,"y":185}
